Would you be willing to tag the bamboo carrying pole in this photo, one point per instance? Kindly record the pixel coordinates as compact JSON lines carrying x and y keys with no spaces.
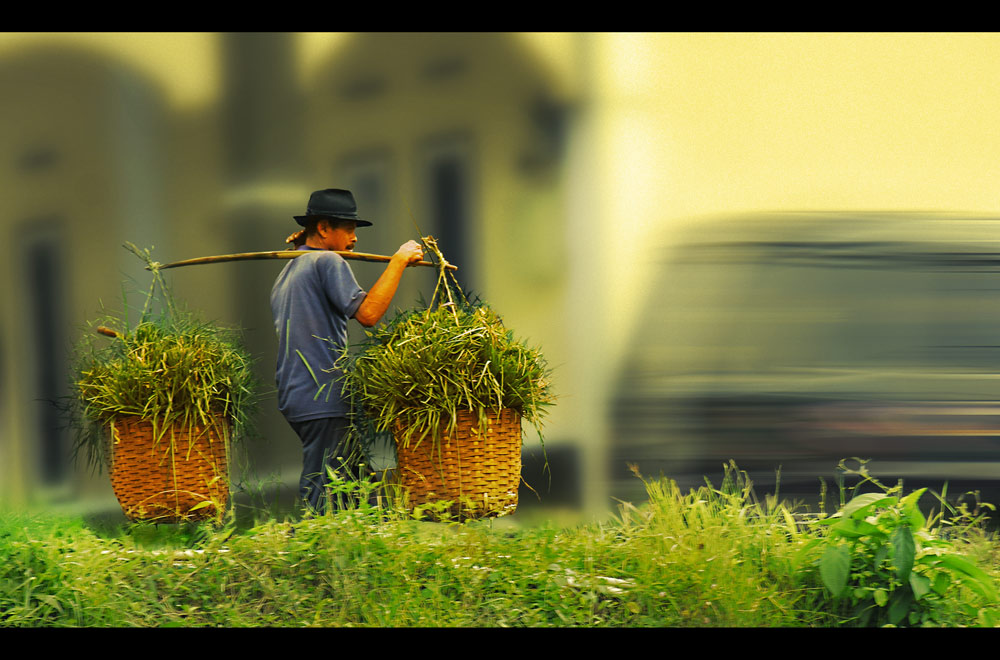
{"x":286,"y":254}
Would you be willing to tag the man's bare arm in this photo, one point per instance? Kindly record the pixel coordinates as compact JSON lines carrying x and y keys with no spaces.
{"x":379,"y":297}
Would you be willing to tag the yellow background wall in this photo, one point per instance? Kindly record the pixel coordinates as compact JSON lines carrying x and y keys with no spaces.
{"x":696,"y":124}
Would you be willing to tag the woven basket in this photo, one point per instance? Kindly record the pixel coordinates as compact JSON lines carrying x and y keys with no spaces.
{"x":478,"y":473}
{"x":180,"y":476}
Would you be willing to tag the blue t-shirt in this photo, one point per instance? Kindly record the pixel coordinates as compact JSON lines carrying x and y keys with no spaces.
{"x":312,"y":300}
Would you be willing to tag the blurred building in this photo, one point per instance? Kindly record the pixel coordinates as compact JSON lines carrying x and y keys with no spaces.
{"x":462,"y":137}
{"x":86,"y":165}
{"x":556,"y":178}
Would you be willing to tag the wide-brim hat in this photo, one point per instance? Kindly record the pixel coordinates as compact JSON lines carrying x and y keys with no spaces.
{"x":332,"y":203}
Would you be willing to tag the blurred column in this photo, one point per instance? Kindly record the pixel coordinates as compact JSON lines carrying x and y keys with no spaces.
{"x":137,"y":142}
{"x":263,"y":106}
{"x":264,"y":136}
{"x":588,"y":302}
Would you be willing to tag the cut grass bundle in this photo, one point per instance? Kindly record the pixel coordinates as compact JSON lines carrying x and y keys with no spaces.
{"x":189,"y":381}
{"x":425,"y":366}
{"x":423,"y":370}
{"x":171,"y":370}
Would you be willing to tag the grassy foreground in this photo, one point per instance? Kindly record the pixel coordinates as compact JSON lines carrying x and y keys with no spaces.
{"x":712,"y":557}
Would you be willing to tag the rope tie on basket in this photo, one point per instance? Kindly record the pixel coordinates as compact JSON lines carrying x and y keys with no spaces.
{"x":443,"y":274}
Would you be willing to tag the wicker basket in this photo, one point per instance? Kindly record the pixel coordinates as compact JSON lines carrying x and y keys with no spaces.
{"x":478,"y":473}
{"x":180,"y":476}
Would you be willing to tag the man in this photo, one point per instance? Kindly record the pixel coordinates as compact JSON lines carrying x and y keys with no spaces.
{"x":312,"y":300}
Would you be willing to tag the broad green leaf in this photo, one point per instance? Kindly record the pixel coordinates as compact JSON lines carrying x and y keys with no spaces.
{"x":904,"y":550}
{"x":941,"y":583}
{"x":988,"y":618}
{"x":853,"y":528}
{"x":899,"y":605}
{"x":834,"y":568}
{"x":980,"y":588}
{"x":920,"y":585}
{"x":881,"y":554}
{"x":912,"y":498}
{"x":881,"y":597}
{"x":912,"y":511}
{"x":862,"y":503}
{"x":916,"y":519}
{"x":968,"y":568}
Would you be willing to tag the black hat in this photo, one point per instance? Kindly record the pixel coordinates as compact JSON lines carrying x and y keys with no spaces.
{"x":332,"y":203}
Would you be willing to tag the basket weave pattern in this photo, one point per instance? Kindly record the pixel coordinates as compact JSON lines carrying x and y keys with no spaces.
{"x":162,"y":479}
{"x":479,"y":473}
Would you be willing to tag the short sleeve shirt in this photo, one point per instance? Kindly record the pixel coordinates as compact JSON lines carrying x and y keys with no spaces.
{"x":312,"y":300}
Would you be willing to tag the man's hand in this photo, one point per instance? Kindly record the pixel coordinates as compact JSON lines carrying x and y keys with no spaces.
{"x":410,"y":252}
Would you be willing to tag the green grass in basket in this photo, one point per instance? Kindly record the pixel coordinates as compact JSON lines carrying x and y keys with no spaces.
{"x":171,"y":367}
{"x":425,"y":365}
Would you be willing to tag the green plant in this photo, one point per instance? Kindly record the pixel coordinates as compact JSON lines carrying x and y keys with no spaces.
{"x":717,"y":555}
{"x":167,"y":366}
{"x":882,"y":562}
{"x":711,"y":557}
{"x":422,"y":366}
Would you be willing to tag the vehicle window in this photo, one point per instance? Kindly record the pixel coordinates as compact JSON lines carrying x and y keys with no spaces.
{"x":750,"y":311}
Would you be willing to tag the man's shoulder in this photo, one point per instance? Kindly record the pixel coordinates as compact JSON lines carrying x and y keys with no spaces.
{"x":329,"y":267}
{"x":322,"y":256}
{"x":322,"y":268}
{"x":318,"y":258}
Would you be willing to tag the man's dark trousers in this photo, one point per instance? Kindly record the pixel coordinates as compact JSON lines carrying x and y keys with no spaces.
{"x":323,"y":447}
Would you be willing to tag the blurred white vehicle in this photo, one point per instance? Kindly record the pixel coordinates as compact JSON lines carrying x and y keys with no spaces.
{"x":795,"y":340}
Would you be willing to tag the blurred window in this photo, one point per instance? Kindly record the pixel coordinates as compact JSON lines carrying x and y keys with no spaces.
{"x":45,"y":277}
{"x":38,"y":159}
{"x":363,"y":88}
{"x":368,"y":175}
{"x":448,"y":189}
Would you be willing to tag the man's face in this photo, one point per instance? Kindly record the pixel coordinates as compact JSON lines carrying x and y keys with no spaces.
{"x":339,"y":235}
